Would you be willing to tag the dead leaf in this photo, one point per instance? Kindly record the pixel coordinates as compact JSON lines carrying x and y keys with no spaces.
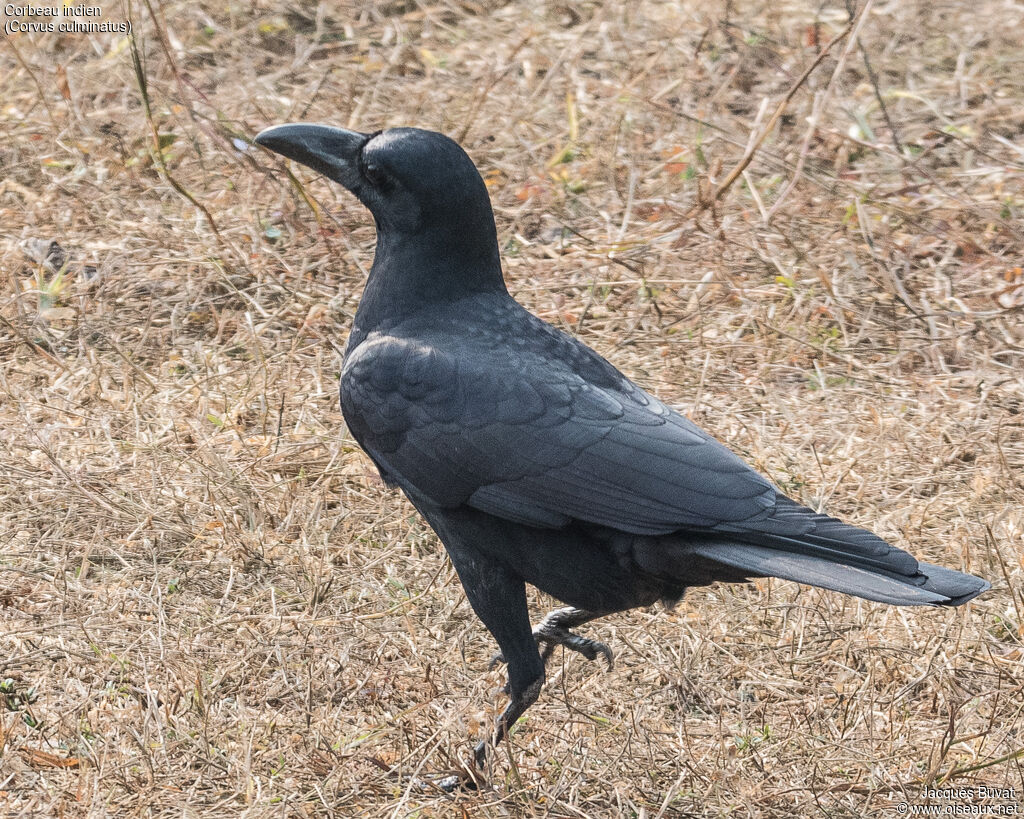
{"x":62,"y":82}
{"x":43,"y":759}
{"x":58,"y":313}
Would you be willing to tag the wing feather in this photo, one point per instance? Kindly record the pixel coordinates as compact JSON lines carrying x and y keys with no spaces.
{"x":531,"y":440}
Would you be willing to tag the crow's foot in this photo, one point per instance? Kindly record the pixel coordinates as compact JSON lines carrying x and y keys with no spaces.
{"x":554,"y":630}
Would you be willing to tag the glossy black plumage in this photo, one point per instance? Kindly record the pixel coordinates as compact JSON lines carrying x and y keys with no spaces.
{"x":531,"y":456}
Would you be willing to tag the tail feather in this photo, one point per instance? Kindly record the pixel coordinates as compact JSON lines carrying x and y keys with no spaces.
{"x":956,"y":586}
{"x":799,"y":544}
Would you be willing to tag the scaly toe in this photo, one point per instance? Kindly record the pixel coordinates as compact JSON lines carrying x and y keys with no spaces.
{"x":552,"y":637}
{"x":591,"y":648}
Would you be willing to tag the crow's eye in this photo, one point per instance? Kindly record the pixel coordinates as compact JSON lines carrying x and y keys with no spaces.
{"x":375,"y":174}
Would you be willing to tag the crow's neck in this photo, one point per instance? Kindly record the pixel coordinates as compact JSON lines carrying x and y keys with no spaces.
{"x":423,"y":271}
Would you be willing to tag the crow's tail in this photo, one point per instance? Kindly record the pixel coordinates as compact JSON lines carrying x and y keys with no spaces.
{"x":796,"y":543}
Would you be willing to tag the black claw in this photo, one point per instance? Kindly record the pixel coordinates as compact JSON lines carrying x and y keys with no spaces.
{"x":480,"y":754}
{"x":590,"y":649}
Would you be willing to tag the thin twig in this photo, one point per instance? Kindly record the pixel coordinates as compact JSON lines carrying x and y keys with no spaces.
{"x":158,"y":154}
{"x":735,"y":173}
{"x":819,"y":106}
{"x":873,"y":77}
{"x":881,"y":100}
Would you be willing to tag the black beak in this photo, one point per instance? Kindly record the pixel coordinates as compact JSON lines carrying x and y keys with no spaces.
{"x":334,"y":152}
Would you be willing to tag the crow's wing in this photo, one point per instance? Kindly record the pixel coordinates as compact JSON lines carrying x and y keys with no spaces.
{"x":520,"y":433}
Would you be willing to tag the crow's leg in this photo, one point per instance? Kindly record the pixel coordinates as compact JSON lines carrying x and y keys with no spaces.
{"x":498,"y":596}
{"x":554,"y":630}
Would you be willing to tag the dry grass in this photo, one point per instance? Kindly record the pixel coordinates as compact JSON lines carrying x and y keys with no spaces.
{"x":209,"y":605}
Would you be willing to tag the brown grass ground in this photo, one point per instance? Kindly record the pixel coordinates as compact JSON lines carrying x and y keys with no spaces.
{"x":209,"y":605}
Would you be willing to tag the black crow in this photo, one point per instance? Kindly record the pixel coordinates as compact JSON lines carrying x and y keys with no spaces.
{"x":533,"y":458}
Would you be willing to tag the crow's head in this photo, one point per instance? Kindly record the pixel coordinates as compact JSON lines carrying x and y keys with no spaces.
{"x":413,"y":181}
